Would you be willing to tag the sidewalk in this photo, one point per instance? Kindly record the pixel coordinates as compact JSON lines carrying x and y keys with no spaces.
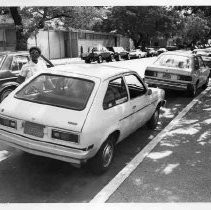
{"x":178,"y":169}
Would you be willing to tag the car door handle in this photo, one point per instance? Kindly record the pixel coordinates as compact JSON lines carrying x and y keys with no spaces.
{"x":134,"y":107}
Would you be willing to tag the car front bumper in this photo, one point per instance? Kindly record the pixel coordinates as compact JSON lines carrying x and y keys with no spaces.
{"x":68,"y":154}
{"x":174,"y":85}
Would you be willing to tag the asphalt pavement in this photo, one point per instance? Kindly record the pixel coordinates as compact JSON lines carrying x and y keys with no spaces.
{"x":176,"y":169}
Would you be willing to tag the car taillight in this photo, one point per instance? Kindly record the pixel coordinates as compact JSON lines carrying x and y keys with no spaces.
{"x":185,"y":78}
{"x":9,"y":123}
{"x":150,"y":73}
{"x":65,"y":136}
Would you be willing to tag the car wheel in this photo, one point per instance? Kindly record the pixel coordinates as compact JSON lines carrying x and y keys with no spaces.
{"x":204,"y":86}
{"x":5,"y":93}
{"x":100,"y":59}
{"x":102,"y":160}
{"x":192,"y":90}
{"x":112,"y":59}
{"x":152,"y":123}
{"x":87,"y":61}
{"x":118,"y":58}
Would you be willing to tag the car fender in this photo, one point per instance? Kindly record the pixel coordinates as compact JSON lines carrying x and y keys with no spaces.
{"x":8,"y":85}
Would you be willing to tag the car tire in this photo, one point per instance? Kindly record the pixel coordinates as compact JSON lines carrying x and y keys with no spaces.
{"x":204,"y":86}
{"x":101,"y":162}
{"x":87,"y":61}
{"x":152,"y":123}
{"x":192,"y":90}
{"x":112,"y":59}
{"x":100,"y":59}
{"x":5,"y":93}
{"x":118,"y":58}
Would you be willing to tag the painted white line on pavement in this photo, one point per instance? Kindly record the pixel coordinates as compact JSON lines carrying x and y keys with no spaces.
{"x":113,"y":185}
{"x":4,"y":154}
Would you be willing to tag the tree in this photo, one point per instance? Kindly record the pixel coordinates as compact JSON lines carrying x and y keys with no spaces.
{"x":140,"y":23}
{"x":28,"y":20}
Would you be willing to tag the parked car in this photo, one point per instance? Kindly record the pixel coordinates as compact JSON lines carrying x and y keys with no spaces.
{"x":205,"y":54}
{"x":98,"y":54}
{"x":10,"y":66}
{"x":137,"y":53}
{"x":179,"y":71}
{"x":120,"y":53}
{"x":82,"y":116}
{"x":151,"y":51}
{"x":161,"y":50}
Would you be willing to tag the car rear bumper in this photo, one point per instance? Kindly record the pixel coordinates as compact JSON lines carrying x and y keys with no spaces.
{"x":174,"y":85}
{"x":55,"y":151}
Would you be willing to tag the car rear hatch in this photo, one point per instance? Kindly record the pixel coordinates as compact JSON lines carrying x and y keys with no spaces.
{"x":168,"y":73}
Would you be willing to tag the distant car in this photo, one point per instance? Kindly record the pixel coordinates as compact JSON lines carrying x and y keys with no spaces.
{"x":82,"y":116}
{"x":10,"y":66}
{"x":120,"y":53}
{"x":137,"y":53}
{"x":205,"y":54}
{"x":161,"y":50}
{"x":178,"y":71}
{"x":98,"y":54}
{"x":151,"y":51}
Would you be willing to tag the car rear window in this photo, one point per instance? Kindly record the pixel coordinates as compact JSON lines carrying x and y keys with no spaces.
{"x":68,"y":92}
{"x":175,"y":61}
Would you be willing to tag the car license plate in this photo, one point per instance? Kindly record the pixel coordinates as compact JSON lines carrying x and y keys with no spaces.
{"x":166,"y":75}
{"x":34,"y":129}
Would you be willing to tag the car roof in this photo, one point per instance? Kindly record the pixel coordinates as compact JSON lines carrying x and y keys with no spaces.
{"x":182,"y":53}
{"x":101,"y":71}
{"x":14,"y":52}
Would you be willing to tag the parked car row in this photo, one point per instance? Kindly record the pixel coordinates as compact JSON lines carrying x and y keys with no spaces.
{"x":110,"y":54}
{"x":70,"y":120}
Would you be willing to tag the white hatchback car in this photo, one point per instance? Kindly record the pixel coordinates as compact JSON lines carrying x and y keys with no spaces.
{"x":178,"y":71}
{"x":77,"y":113}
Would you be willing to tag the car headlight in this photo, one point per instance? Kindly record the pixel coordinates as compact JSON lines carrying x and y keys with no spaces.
{"x":65,"y":136}
{"x":8,"y":122}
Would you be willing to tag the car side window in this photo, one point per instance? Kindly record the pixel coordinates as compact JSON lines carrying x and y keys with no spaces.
{"x":18,"y":61}
{"x":135,"y":86}
{"x":116,"y":93}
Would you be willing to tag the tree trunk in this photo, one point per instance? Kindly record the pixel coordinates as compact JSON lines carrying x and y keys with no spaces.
{"x":21,"y":40}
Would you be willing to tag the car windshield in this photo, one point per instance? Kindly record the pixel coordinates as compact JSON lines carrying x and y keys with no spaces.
{"x":68,"y":92}
{"x":175,"y":61}
{"x":118,"y":49}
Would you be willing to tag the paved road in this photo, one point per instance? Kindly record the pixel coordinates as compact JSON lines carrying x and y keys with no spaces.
{"x":28,"y":179}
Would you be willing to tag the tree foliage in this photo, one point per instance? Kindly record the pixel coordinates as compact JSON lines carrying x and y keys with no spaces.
{"x":141,"y":23}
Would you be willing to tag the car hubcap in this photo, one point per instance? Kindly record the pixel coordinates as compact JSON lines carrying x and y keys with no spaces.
{"x":107,"y":155}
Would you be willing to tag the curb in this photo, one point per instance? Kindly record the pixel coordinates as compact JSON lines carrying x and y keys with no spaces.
{"x":114,"y":184}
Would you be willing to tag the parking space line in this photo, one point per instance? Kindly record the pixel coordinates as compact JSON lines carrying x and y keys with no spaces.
{"x":113,"y":185}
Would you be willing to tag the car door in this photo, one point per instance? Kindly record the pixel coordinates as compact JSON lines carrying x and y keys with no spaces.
{"x":117,"y":106}
{"x":140,"y":100}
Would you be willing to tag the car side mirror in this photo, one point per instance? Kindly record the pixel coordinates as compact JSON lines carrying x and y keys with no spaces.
{"x":149,"y":92}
